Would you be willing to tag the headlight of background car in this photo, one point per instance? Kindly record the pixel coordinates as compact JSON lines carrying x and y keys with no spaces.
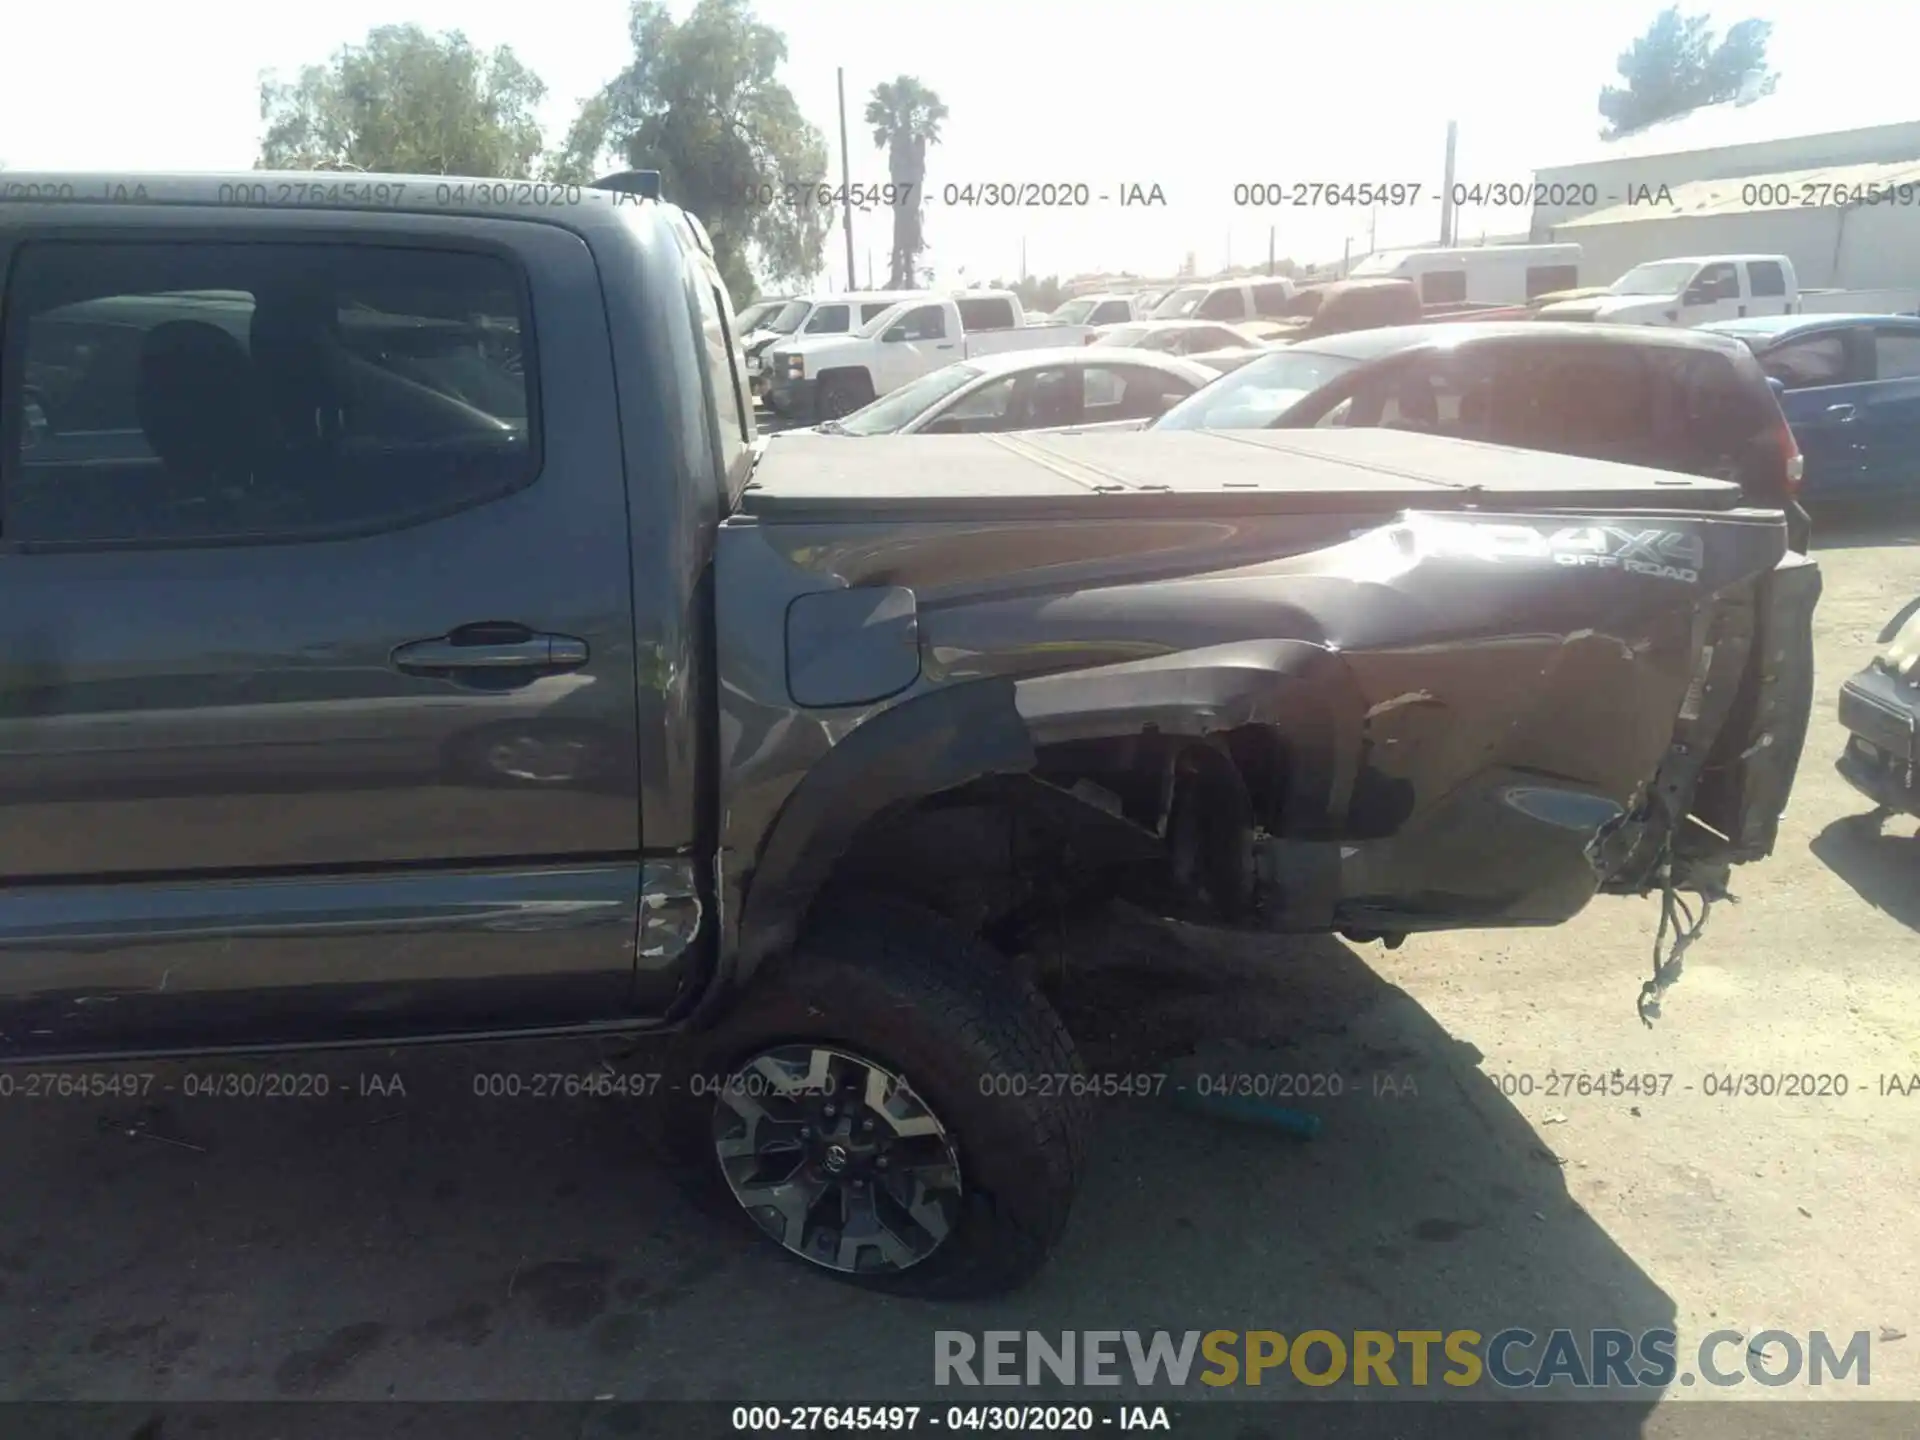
{"x":793,"y":367}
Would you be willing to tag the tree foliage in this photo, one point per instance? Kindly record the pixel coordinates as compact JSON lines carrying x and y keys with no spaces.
{"x":701,"y":103}
{"x":1680,"y":65}
{"x":905,"y":116}
{"x":406,"y":102}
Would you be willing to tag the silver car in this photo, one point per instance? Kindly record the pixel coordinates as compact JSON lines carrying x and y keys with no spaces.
{"x":1031,"y":390}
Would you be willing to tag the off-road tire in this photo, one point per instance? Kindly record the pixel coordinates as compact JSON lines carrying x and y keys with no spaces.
{"x":838,"y":395}
{"x":937,"y":1006}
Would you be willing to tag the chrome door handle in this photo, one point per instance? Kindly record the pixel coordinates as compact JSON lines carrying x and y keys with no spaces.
{"x":490,"y":646}
{"x":1841,"y":413}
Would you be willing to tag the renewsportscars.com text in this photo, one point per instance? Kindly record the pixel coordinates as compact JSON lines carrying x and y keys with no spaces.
{"x":1510,"y":1359}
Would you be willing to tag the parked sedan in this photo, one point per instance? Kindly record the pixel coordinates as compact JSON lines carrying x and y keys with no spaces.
{"x":1030,"y":390}
{"x":1851,"y":391}
{"x":1177,"y":337}
{"x":1880,"y":711}
{"x":1672,"y":399}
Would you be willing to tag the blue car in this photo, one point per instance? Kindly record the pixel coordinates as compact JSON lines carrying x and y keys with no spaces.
{"x":1850,"y":387}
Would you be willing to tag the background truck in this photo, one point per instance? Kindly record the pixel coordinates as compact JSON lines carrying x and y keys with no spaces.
{"x":808,"y":315}
{"x":1698,"y":289}
{"x":1109,"y":308}
{"x":1263,"y":297}
{"x":1342,"y":306}
{"x":822,"y":379}
{"x":385,"y":676}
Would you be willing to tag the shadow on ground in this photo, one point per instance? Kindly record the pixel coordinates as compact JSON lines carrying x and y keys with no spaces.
{"x":1858,"y":526}
{"x":404,"y":1236}
{"x":1880,"y":859}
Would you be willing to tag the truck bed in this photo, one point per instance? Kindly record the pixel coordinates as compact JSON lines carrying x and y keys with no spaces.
{"x":1193,"y":472}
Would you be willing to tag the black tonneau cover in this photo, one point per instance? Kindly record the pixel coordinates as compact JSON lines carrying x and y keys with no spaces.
{"x":1189,"y":472}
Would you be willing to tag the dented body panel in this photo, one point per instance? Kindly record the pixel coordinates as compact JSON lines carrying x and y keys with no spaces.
{"x":1364,"y":681}
{"x":1449,"y":710}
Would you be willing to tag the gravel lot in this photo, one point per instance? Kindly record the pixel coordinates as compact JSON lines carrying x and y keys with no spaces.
{"x":437,"y":1245}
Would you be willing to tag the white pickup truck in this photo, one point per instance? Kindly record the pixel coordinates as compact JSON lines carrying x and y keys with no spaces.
{"x":1695,"y":289}
{"x":824,"y":377}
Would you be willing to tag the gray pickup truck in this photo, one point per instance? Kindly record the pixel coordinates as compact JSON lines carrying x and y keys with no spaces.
{"x":405,"y":638}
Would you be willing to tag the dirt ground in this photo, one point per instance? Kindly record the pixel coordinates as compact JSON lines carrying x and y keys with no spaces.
{"x":440,"y":1245}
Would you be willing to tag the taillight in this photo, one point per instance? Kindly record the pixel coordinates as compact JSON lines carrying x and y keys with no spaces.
{"x":1790,"y":456}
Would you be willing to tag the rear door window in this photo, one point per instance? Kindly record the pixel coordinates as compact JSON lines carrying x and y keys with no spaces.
{"x":180,"y":392}
{"x":1433,"y":394}
{"x":986,"y":312}
{"x":923,"y":322}
{"x":1719,"y":281}
{"x":1109,"y":312}
{"x":1706,"y":414}
{"x":1545,"y":279}
{"x":1129,"y":392}
{"x":733,"y":413}
{"x":828,"y":320}
{"x":1270,"y":300}
{"x":1765,"y":278}
{"x":1896,"y":354}
{"x":1575,"y":399}
{"x":1226,"y":303}
{"x":1810,"y":361}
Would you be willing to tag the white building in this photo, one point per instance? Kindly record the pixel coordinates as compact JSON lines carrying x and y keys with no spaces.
{"x":1775,"y":175}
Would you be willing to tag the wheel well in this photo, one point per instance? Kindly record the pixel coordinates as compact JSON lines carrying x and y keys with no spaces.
{"x":858,"y":374}
{"x":1155,"y":816}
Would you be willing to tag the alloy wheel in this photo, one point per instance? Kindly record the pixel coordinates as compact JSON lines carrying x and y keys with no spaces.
{"x":837,"y":1159}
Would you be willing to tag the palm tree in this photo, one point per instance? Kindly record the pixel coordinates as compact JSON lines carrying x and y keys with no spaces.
{"x":905,"y":116}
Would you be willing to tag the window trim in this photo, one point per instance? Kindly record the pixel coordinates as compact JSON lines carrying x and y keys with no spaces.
{"x":12,"y":337}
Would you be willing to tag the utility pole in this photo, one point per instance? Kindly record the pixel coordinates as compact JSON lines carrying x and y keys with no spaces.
{"x":1447,"y":219}
{"x":1373,"y":230}
{"x":1346,"y":258}
{"x":1023,"y":259}
{"x":1270,"y":230}
{"x":846,"y":187}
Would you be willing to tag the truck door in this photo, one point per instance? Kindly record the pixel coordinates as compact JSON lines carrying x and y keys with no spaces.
{"x":318,"y":702}
{"x":1824,"y":374}
{"x":918,"y":343}
{"x":1715,"y":293}
{"x":1889,"y":413}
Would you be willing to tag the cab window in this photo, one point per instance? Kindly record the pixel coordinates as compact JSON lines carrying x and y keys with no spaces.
{"x":828,"y":320}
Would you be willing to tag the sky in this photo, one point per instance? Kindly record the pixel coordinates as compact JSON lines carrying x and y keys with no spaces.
{"x":1194,"y":97}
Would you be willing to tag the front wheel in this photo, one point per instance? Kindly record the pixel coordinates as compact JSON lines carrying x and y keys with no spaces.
{"x":839,"y":395}
{"x":898,"y":1106}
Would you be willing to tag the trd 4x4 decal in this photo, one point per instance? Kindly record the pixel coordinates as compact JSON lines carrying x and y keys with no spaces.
{"x":1665,"y":554}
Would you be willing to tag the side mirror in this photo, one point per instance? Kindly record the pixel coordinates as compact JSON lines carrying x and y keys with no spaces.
{"x":1164,"y":402}
{"x":1695,"y":296}
{"x":895,"y":335}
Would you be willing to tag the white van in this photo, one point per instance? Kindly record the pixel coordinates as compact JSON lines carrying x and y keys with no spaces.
{"x":1478,"y":274}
